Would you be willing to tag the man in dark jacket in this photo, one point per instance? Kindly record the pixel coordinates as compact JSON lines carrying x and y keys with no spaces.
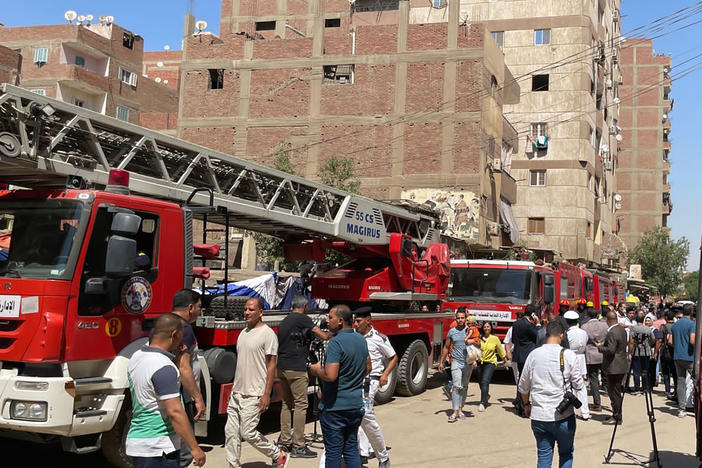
{"x":524,"y":333}
{"x":615,"y":364}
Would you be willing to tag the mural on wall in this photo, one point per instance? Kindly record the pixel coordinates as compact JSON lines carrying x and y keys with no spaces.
{"x":459,"y":210}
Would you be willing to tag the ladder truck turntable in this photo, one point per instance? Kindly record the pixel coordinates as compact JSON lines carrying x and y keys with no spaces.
{"x":74,"y":304}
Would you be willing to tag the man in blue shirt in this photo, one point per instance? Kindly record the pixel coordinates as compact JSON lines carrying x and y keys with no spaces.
{"x":682,"y":338}
{"x":341,"y":408}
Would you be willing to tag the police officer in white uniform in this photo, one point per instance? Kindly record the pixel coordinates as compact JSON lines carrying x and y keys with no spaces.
{"x":380,"y":350}
{"x":577,"y":342}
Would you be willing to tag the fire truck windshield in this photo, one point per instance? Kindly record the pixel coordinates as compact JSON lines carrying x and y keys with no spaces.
{"x":39,"y":237}
{"x":490,"y":285}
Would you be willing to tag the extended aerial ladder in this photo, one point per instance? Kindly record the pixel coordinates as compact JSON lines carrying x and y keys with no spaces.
{"x":43,"y":141}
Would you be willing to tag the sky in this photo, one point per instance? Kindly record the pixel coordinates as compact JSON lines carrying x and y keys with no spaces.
{"x":160,"y":22}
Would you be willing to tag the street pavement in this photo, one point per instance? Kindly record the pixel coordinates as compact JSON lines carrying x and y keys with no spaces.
{"x":419,"y":436}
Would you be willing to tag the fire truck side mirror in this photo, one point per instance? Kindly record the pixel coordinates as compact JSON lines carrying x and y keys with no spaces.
{"x":125,"y":224}
{"x":121,"y":254}
{"x":548,"y":294}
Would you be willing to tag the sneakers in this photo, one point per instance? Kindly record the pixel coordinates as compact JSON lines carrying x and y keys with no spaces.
{"x":384,"y":464}
{"x":452,"y":418}
{"x":284,"y":447}
{"x":481,"y":408}
{"x":282,"y":461}
{"x":302,"y":452}
{"x":462,"y":415}
{"x":682,"y":413}
{"x":596,"y":408}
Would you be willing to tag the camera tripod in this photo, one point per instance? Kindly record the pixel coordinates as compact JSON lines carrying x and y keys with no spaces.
{"x":643,"y":356}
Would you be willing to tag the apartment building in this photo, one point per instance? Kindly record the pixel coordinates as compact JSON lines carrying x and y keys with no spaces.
{"x":163,"y":67}
{"x":565,"y":56}
{"x":644,"y":165}
{"x":97,"y":66}
{"x":10,"y":66}
{"x":411,"y":93}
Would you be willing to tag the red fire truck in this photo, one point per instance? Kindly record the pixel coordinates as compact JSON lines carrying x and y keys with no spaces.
{"x":74,"y":306}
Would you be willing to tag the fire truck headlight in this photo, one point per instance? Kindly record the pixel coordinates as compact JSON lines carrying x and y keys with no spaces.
{"x":26,"y":385}
{"x":29,"y":410}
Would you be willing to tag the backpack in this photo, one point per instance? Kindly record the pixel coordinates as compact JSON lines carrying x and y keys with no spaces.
{"x":666,"y":349}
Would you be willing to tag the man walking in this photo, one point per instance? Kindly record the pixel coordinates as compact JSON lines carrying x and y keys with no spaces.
{"x":293,"y":334}
{"x":548,"y":373}
{"x":577,"y":342}
{"x":614,"y":364}
{"x":524,"y":334}
{"x":596,"y":333}
{"x":380,"y":351}
{"x":158,"y":420}
{"x":460,"y":370}
{"x":256,"y":349}
{"x":341,"y":407}
{"x":187,"y":305}
{"x":682,"y":338}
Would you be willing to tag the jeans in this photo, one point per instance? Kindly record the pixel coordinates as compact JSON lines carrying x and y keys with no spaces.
{"x":593,"y":377}
{"x":682,"y":368}
{"x":340,"y":435}
{"x":487,"y":369}
{"x":547,"y":434}
{"x":460,"y":376}
{"x":668,"y":371}
{"x":170,"y":460}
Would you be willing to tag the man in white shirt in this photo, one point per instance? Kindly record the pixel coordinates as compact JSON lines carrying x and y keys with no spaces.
{"x":257,"y":352}
{"x":370,"y":436}
{"x":577,"y":342}
{"x":548,"y":372}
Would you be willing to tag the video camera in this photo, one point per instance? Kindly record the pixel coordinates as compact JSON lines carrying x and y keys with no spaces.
{"x":308,"y":340}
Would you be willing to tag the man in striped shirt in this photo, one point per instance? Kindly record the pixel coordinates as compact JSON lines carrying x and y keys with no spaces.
{"x":159,"y":421}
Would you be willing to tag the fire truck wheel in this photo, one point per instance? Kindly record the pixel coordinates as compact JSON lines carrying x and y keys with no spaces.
{"x":413,"y":369}
{"x":113,"y":441}
{"x":385,"y":393}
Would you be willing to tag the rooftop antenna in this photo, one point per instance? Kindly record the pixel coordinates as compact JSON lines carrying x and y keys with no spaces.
{"x":191,"y":6}
{"x":70,"y":15}
{"x":201,"y":25}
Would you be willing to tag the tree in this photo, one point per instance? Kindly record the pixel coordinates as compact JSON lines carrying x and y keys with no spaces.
{"x":690,"y":284}
{"x":662,"y":259}
{"x":339,"y":173}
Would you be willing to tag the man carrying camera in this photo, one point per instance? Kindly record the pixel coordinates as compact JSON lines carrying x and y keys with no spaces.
{"x":547,"y":387}
{"x":380,"y":351}
{"x":295,"y":334}
{"x":641,"y":342}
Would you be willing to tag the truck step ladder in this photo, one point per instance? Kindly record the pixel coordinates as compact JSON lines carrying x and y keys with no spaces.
{"x":43,"y":141}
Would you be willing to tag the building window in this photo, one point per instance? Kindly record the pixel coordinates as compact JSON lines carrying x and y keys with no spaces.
{"x":332,"y":23}
{"x":542,"y":36}
{"x":499,"y":37}
{"x":216,"y":78}
{"x":127,"y":77}
{"x":493,"y":86}
{"x":537,"y":178}
{"x":80,"y":61}
{"x":539,"y":83}
{"x":539,"y":129}
{"x":41,"y":55}
{"x":589,"y":230}
{"x":339,"y":74}
{"x":265,"y":25}
{"x":123,"y":113}
{"x":536,"y":225}
{"x":377,"y":5}
{"x":78,"y":102}
{"x":128,"y":40}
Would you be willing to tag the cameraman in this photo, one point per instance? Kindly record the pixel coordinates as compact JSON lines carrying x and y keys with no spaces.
{"x":641,"y":340}
{"x":295,"y":334}
{"x":550,"y":378}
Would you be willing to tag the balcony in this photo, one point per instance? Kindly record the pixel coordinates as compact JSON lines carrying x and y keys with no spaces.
{"x":667,"y":203}
{"x":79,"y":77}
{"x":509,"y":187}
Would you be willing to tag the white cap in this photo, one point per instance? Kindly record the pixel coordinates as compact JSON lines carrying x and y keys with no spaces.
{"x":571,"y":315}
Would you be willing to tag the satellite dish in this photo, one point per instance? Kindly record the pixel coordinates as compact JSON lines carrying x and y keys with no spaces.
{"x":201,"y":25}
{"x":110,"y":19}
{"x":89,"y":17}
{"x":70,"y":15}
{"x":81,"y":18}
{"x":166,"y":47}
{"x":102,"y":18}
{"x":617,"y":100}
{"x":619,"y":137}
{"x":617,"y":198}
{"x":157,"y":80}
{"x":165,"y":81}
{"x":159,"y":64}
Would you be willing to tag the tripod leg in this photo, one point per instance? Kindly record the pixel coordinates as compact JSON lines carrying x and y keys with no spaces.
{"x":610,"y":453}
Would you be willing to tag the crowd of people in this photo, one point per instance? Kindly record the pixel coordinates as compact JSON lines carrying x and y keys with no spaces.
{"x":166,"y":401}
{"x":563,"y":359}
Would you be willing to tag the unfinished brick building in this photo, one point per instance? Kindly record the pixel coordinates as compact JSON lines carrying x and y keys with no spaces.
{"x":163,"y":66}
{"x":97,"y":66}
{"x":417,"y":106}
{"x":10,"y":66}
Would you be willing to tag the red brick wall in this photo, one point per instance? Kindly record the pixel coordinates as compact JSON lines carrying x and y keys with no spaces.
{"x":281,"y":92}
{"x":371,"y":94}
{"x":10,"y":65}
{"x":201,"y":101}
{"x":218,"y":138}
{"x":425,"y":87}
